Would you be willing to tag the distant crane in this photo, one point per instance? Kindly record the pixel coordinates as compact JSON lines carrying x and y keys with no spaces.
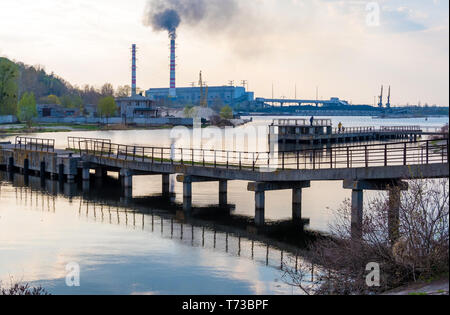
{"x":380,"y":104}
{"x":203,"y":92}
{"x":388,"y":104}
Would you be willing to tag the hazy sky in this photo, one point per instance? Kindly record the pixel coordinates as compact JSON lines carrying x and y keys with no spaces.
{"x":303,"y":43}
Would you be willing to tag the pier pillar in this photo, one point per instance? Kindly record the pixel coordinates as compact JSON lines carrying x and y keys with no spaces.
{"x":26,"y":167}
{"x":187,"y":194}
{"x":85,"y":172}
{"x":42,"y":169}
{"x":394,"y":214}
{"x":61,"y":172}
{"x":10,"y":166}
{"x":297,"y":204}
{"x":223,"y":193}
{"x":357,"y":213}
{"x":166,"y":184}
{"x":260,"y":202}
{"x":127,"y":178}
{"x":100,"y":172}
{"x":71,"y":178}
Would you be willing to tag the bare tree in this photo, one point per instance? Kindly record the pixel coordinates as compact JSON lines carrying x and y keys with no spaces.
{"x":420,"y":251}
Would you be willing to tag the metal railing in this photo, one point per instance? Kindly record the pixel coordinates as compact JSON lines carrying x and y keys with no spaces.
{"x":401,"y":129}
{"x":34,"y":144}
{"x":73,"y":141}
{"x":357,"y":156}
{"x":302,"y":122}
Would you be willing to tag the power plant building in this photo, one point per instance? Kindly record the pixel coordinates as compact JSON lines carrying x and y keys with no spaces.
{"x":228,"y":95}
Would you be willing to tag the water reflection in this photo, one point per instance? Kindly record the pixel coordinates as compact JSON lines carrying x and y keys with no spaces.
{"x":217,"y":246}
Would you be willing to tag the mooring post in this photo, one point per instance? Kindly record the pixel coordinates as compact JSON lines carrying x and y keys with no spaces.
{"x":297,"y":204}
{"x":187,"y":194}
{"x":260,"y":202}
{"x":223,"y":193}
{"x":166,"y":185}
{"x":357,"y":213}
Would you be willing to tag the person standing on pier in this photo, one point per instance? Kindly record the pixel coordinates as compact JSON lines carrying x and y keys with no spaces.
{"x":312,"y":121}
{"x":340,"y":127}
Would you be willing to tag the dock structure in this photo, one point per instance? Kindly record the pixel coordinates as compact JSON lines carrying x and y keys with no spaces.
{"x":361,"y":167}
{"x":321,"y":131}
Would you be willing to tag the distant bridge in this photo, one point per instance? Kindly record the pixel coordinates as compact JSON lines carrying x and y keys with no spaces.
{"x":299,"y":102}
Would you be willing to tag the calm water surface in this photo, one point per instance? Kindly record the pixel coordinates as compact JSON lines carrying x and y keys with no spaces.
{"x":123,"y":248}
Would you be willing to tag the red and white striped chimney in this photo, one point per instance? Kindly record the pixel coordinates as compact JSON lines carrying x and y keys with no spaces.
{"x":133,"y":71}
{"x":172,"y":90}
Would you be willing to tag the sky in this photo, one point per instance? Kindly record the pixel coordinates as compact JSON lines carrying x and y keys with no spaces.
{"x":346,"y":49}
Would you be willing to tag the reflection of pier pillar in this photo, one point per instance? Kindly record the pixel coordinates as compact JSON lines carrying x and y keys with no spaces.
{"x":61,"y":172}
{"x":260,"y":202}
{"x":187,"y":194}
{"x":223,"y":193}
{"x":166,"y":185}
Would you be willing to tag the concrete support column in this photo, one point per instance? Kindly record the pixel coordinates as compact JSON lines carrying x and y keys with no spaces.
{"x":61,"y":172}
{"x":187,"y":194}
{"x":166,"y":184}
{"x":26,"y":167}
{"x":297,"y":204}
{"x":223,"y":193}
{"x":357,"y":213}
{"x":10,"y":166}
{"x":85,"y":173}
{"x":100,"y":172}
{"x":71,"y":178}
{"x":260,"y":202}
{"x":42,"y":169}
{"x":394,"y":214}
{"x":127,"y":179}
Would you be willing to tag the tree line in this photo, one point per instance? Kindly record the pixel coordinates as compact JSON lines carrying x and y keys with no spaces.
{"x":33,"y":84}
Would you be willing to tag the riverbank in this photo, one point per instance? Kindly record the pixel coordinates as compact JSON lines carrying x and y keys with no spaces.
{"x":436,"y":287}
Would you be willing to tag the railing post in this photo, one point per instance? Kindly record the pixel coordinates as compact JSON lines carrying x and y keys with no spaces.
{"x":331,"y":157}
{"x":282,"y":155}
{"x":385,"y":155}
{"x":153,"y":155}
{"x":428,"y":152}
{"x":298,"y":160}
{"x":193,"y":157}
{"x":314,"y":159}
{"x":348,"y":157}
{"x":405,"y":155}
{"x":366,"y":152}
{"x":182,"y":162}
{"x":240,"y":160}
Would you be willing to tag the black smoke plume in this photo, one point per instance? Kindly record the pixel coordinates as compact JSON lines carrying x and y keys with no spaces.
{"x":170,"y":14}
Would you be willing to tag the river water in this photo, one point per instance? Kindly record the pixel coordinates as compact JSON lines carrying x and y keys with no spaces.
{"x":141,"y":247}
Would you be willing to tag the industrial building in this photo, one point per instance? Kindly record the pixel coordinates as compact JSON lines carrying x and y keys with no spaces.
{"x":136,"y":106}
{"x":226,"y":95}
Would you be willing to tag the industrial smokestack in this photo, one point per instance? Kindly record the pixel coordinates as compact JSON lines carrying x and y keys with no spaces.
{"x":133,"y":71}
{"x":172,"y":90}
